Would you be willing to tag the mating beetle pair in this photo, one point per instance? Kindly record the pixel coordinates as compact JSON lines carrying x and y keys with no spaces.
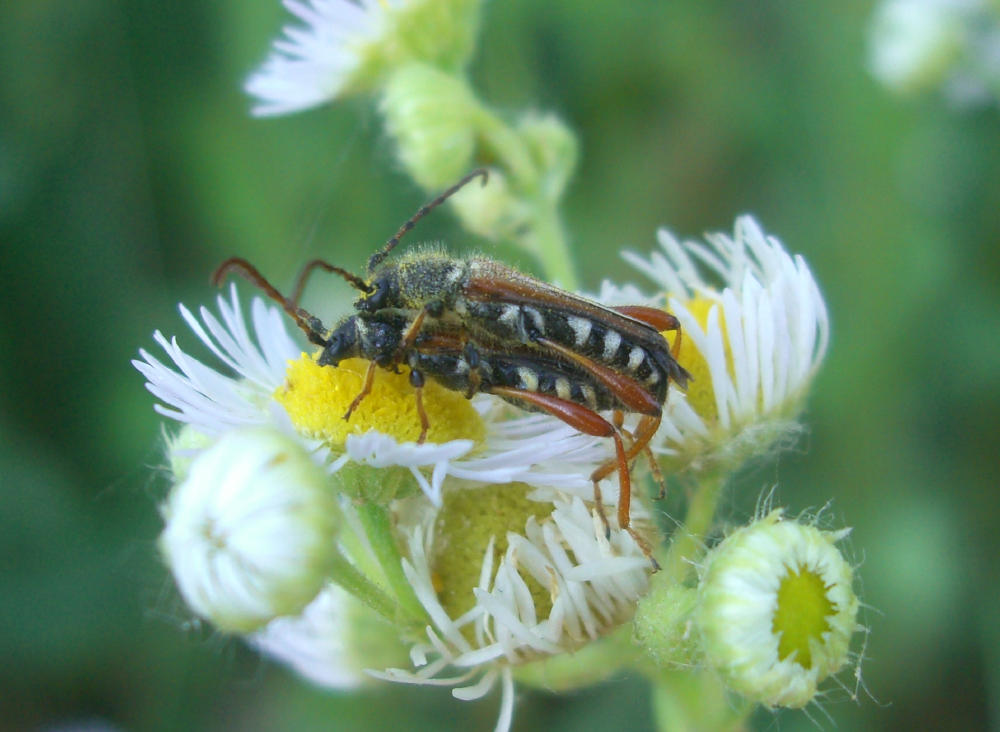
{"x":476,"y":325}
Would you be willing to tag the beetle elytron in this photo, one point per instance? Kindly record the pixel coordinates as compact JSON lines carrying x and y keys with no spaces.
{"x":476,"y":325}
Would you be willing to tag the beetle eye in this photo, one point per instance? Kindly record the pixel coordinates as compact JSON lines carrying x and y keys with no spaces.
{"x":375,"y":300}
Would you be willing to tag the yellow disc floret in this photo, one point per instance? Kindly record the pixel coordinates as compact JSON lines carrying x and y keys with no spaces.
{"x":317,"y":398}
{"x":700,"y":393}
{"x":802,"y":615}
{"x":465,"y":525}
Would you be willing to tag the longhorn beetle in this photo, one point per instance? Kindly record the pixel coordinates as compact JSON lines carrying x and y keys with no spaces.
{"x":476,"y":325}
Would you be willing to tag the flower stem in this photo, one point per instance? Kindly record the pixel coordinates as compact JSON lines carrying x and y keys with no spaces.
{"x":375,"y":519}
{"x":546,"y":238}
{"x":690,"y":536}
{"x":686,"y":700}
{"x":548,"y":242}
{"x":347,"y":576}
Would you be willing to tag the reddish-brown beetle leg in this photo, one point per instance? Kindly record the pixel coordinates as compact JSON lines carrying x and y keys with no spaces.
{"x":417,"y":382}
{"x":366,"y":389}
{"x":589,"y":422}
{"x":655,"y":318}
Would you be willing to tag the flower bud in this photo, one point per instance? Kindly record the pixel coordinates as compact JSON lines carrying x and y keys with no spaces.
{"x":432,"y":117}
{"x":776,"y":610}
{"x":250,"y":533}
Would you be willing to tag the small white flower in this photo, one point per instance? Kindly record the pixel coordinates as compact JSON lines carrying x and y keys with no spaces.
{"x":345,"y":46}
{"x":558,"y":584}
{"x":249,"y":533}
{"x":311,"y":64}
{"x":532,"y":448}
{"x":954,"y":45}
{"x":776,"y":610}
{"x":752,"y":345}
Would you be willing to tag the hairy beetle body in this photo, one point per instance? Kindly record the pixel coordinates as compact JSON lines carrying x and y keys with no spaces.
{"x":476,"y":325}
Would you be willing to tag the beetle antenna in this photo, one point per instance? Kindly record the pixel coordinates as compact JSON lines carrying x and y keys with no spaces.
{"x":310,"y":325}
{"x":380,"y":255}
{"x":300,"y":282}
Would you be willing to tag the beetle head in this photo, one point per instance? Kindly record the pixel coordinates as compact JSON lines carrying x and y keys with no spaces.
{"x":342,"y":343}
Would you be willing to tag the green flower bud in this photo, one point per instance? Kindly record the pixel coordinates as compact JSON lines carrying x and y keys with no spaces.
{"x":776,"y":610}
{"x":663,"y":627}
{"x":432,"y":117}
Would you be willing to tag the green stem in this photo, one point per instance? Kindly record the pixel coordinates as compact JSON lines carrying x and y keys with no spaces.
{"x":547,"y":237}
{"x":375,"y":519}
{"x":347,"y":576}
{"x":507,"y":146}
{"x":548,"y":242}
{"x":689,"y":538}
{"x":692,"y":700}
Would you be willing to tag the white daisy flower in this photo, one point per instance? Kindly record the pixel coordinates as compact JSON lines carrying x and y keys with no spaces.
{"x":345,"y":46}
{"x":546,"y":580}
{"x":954,"y":45}
{"x":752,"y":346}
{"x":477,"y":441}
{"x":498,"y":554}
{"x":776,"y":610}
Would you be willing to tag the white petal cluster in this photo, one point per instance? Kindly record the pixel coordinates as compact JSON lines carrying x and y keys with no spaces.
{"x":322,"y":643}
{"x":593,"y":583}
{"x":338,"y":47}
{"x":764,"y":337}
{"x":313,"y":62}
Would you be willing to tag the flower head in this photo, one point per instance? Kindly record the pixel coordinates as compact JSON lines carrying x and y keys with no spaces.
{"x":347,"y":46}
{"x":272,"y":383}
{"x":333,"y":640}
{"x":776,"y":610}
{"x":249,"y":532}
{"x":509,"y":575}
{"x":954,"y":45}
{"x":752,"y":343}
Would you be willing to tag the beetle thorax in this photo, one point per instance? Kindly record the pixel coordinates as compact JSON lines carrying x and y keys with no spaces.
{"x":415,"y":281}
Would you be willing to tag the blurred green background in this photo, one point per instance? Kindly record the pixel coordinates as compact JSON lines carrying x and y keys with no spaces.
{"x":129,"y":167}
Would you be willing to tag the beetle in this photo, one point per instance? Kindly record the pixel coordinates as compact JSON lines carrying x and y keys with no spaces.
{"x":433,"y":311}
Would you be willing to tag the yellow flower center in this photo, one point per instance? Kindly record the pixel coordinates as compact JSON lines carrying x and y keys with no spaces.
{"x":802,"y":614}
{"x":700,"y":394}
{"x":467,"y":521}
{"x":317,"y":397}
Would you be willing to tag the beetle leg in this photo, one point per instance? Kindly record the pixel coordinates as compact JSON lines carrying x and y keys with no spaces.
{"x":472,"y":358}
{"x":434,"y":309}
{"x":417,"y":382}
{"x":588,"y":422}
{"x":644,"y":432}
{"x":410,"y":335}
{"x":366,"y":389}
{"x":618,"y":417}
{"x":654,"y":469}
